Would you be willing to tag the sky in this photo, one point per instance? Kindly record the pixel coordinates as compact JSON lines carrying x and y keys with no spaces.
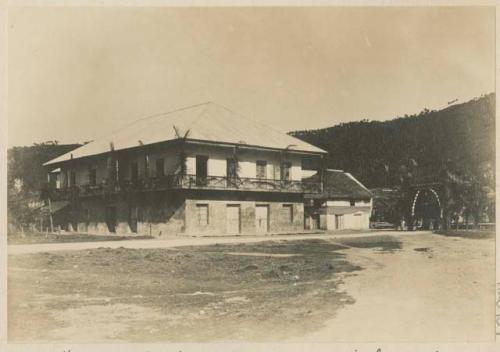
{"x":75,"y":74}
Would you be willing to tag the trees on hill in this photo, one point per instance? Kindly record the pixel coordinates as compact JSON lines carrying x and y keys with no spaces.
{"x":454,"y":146}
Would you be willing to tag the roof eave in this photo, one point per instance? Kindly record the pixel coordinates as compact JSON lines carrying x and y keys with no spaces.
{"x":195,"y":141}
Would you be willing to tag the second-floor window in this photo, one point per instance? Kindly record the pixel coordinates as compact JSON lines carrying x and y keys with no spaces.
{"x":201,"y":170}
{"x":146,"y":166}
{"x":285,"y":172}
{"x":261,"y":171}
{"x":134,"y":171}
{"x":113,"y":169}
{"x":116,"y":171}
{"x":160,"y":171}
{"x":66,"y":179}
{"x":92,"y":176}
{"x":72,"y":179}
{"x":231,"y":168}
{"x":58,"y":180}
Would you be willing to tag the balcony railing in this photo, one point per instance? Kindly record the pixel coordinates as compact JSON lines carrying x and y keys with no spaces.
{"x":186,"y":182}
{"x":245,"y":183}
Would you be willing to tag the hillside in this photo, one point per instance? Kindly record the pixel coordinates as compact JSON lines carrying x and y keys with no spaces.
{"x":461,"y":136}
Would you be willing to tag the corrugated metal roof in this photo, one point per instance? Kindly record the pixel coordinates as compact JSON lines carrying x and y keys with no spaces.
{"x":206,"y":122}
{"x":338,"y":184}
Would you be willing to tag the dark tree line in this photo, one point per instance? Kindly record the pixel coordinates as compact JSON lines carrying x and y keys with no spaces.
{"x":25,"y":178}
{"x":455,"y":146}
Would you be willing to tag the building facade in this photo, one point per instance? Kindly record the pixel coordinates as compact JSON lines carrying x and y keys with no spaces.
{"x":195,"y":171}
{"x":343,"y":204}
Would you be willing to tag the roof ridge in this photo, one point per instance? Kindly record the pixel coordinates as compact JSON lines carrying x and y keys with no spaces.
{"x":201,"y":112}
{"x":172,"y":111}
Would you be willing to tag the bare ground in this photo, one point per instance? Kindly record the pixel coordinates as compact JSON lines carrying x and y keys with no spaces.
{"x":307,"y":290}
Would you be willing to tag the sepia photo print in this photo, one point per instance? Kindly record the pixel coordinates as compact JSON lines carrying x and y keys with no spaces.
{"x":250,"y":174}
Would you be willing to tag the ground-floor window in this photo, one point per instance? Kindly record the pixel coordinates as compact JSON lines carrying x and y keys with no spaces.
{"x":287,"y":213}
{"x":202,"y":214}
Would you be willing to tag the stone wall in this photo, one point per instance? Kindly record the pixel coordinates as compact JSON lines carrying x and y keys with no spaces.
{"x":173,"y":213}
{"x":278,"y":217}
{"x":156,"y":213}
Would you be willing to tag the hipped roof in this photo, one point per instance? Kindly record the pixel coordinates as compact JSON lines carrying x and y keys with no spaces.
{"x":338,"y":184}
{"x":208,"y":122}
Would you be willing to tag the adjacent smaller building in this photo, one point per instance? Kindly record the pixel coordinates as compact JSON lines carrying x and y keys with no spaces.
{"x":344,"y":202}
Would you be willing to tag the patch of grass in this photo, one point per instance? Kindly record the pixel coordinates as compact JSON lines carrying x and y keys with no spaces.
{"x":304,"y":247}
{"x":472,"y":234}
{"x":422,"y":249}
{"x":33,"y":238}
{"x":384,"y":243}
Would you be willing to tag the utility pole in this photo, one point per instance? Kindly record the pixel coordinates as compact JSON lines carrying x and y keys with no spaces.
{"x":50,"y":217}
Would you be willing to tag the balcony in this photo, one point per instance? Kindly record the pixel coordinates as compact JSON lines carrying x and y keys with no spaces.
{"x":245,"y":184}
{"x":170,"y":182}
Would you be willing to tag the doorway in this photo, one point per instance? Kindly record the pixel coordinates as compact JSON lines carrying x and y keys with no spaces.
{"x":233,"y":218}
{"x":132,"y":218}
{"x":262,"y":218}
{"x":339,"y":222}
{"x":201,"y":170}
{"x":111,"y":219}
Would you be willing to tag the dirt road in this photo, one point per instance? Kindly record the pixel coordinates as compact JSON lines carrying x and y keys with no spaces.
{"x":184,"y":241}
{"x":417,"y":287}
{"x":435,"y":289}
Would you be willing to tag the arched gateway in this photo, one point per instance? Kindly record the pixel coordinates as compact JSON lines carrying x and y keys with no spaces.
{"x":427,"y":206}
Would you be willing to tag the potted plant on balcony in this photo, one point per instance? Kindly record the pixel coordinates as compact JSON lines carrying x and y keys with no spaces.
{"x":181,"y":168}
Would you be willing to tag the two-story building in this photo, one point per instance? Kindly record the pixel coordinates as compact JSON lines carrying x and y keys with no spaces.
{"x":199,"y":170}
